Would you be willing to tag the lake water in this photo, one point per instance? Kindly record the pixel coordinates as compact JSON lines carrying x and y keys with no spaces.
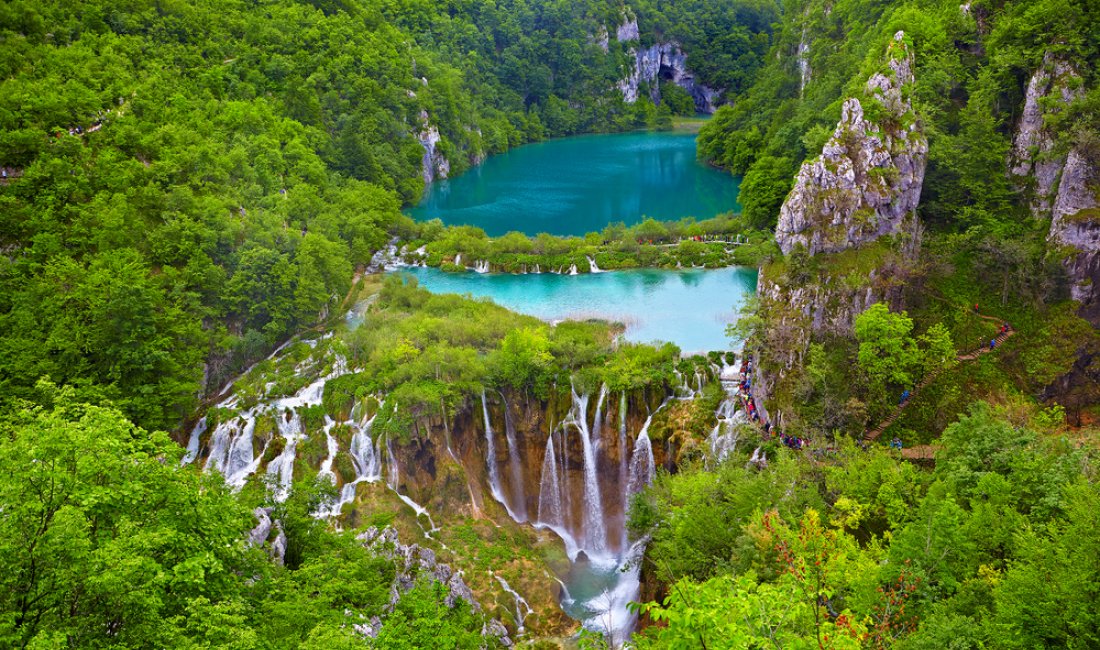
{"x":572,"y":186}
{"x":690,"y":308}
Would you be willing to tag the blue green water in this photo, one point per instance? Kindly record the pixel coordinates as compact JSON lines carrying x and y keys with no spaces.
{"x":690,"y":308}
{"x":576,"y":185}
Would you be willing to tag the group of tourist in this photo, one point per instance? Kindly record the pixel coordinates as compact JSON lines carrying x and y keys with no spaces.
{"x":793,"y":442}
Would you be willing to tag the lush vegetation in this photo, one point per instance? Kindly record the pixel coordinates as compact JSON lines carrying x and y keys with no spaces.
{"x":193,"y":182}
{"x":107,"y":542}
{"x":993,"y":548}
{"x":710,"y":243}
{"x":971,"y":71}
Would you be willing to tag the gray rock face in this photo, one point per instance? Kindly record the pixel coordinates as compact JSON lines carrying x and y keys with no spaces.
{"x":1034,"y":160}
{"x":259,"y":535}
{"x":262,"y":530}
{"x":628,"y":30}
{"x":433,"y":164}
{"x":665,"y":61}
{"x":869,"y":174}
{"x":278,"y":547}
{"x":1075,"y":226}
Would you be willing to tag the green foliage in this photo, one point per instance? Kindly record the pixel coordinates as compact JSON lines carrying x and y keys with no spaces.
{"x":887,"y":351}
{"x":108,"y":542}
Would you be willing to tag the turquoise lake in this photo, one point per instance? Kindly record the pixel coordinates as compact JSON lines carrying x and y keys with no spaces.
{"x":576,"y":185}
{"x":690,"y":308}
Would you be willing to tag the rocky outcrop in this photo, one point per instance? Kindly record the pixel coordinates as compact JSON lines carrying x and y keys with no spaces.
{"x":433,"y":164}
{"x":1075,"y":230}
{"x":869,"y":174}
{"x":413,"y":562}
{"x":259,"y":536}
{"x":1035,"y":162}
{"x":628,"y":30}
{"x":661,"y":61}
{"x":668,"y":62}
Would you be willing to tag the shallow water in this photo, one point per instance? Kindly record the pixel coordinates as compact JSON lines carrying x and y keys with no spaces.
{"x":690,"y":308}
{"x":576,"y":185}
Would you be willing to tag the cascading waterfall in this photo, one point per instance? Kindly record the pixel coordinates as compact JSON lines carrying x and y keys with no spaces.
{"x":723,"y":438}
{"x":523,"y":609}
{"x":393,"y":480}
{"x":623,"y":460}
{"x":458,"y":259}
{"x":481,"y":266}
{"x":592,"y":265}
{"x":642,"y":466}
{"x":282,"y":467}
{"x":514,"y":465}
{"x":572,"y":269}
{"x":364,"y":454}
{"x":595,"y":528}
{"x":491,"y":460}
{"x":193,"y":442}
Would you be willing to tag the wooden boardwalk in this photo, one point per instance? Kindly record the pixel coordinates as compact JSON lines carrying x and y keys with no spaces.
{"x":962,"y":358}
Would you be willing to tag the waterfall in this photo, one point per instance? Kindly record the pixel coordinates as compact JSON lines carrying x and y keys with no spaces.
{"x":595,"y":528}
{"x":553,"y":491}
{"x":491,"y":460}
{"x":282,"y":467}
{"x":393,"y":480}
{"x":481,"y":266}
{"x":193,"y":442}
{"x":592,"y":265}
{"x":518,"y":493}
{"x":365,"y":456}
{"x":521,"y":603}
{"x":332,"y":447}
{"x":642,"y":466}
{"x":458,"y":259}
{"x":623,"y":475}
{"x":537,"y":269}
{"x":723,"y":438}
{"x":550,"y":489}
{"x":572,"y":269}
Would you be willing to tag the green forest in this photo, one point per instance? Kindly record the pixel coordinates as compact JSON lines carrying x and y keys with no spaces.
{"x":196,"y":203}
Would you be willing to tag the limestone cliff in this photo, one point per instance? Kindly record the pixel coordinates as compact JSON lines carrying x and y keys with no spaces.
{"x":660,"y":61}
{"x":433,"y":164}
{"x":1061,"y":184}
{"x":1035,"y":161}
{"x":1075,"y":230}
{"x":869,"y":174}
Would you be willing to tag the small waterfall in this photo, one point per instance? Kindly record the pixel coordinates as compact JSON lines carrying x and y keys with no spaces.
{"x":572,"y":269}
{"x":723,"y":438}
{"x":803,"y":63}
{"x":332,"y":447}
{"x":282,"y":467}
{"x":623,"y":471}
{"x":481,"y":266}
{"x":491,"y":460}
{"x":537,"y":269}
{"x":521,"y":603}
{"x":592,"y":265}
{"x":458,"y":259}
{"x":193,"y":442}
{"x":514,"y":465}
{"x":393,"y":480}
{"x":595,"y":528}
{"x":642,"y":466}
{"x":365,"y":456}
